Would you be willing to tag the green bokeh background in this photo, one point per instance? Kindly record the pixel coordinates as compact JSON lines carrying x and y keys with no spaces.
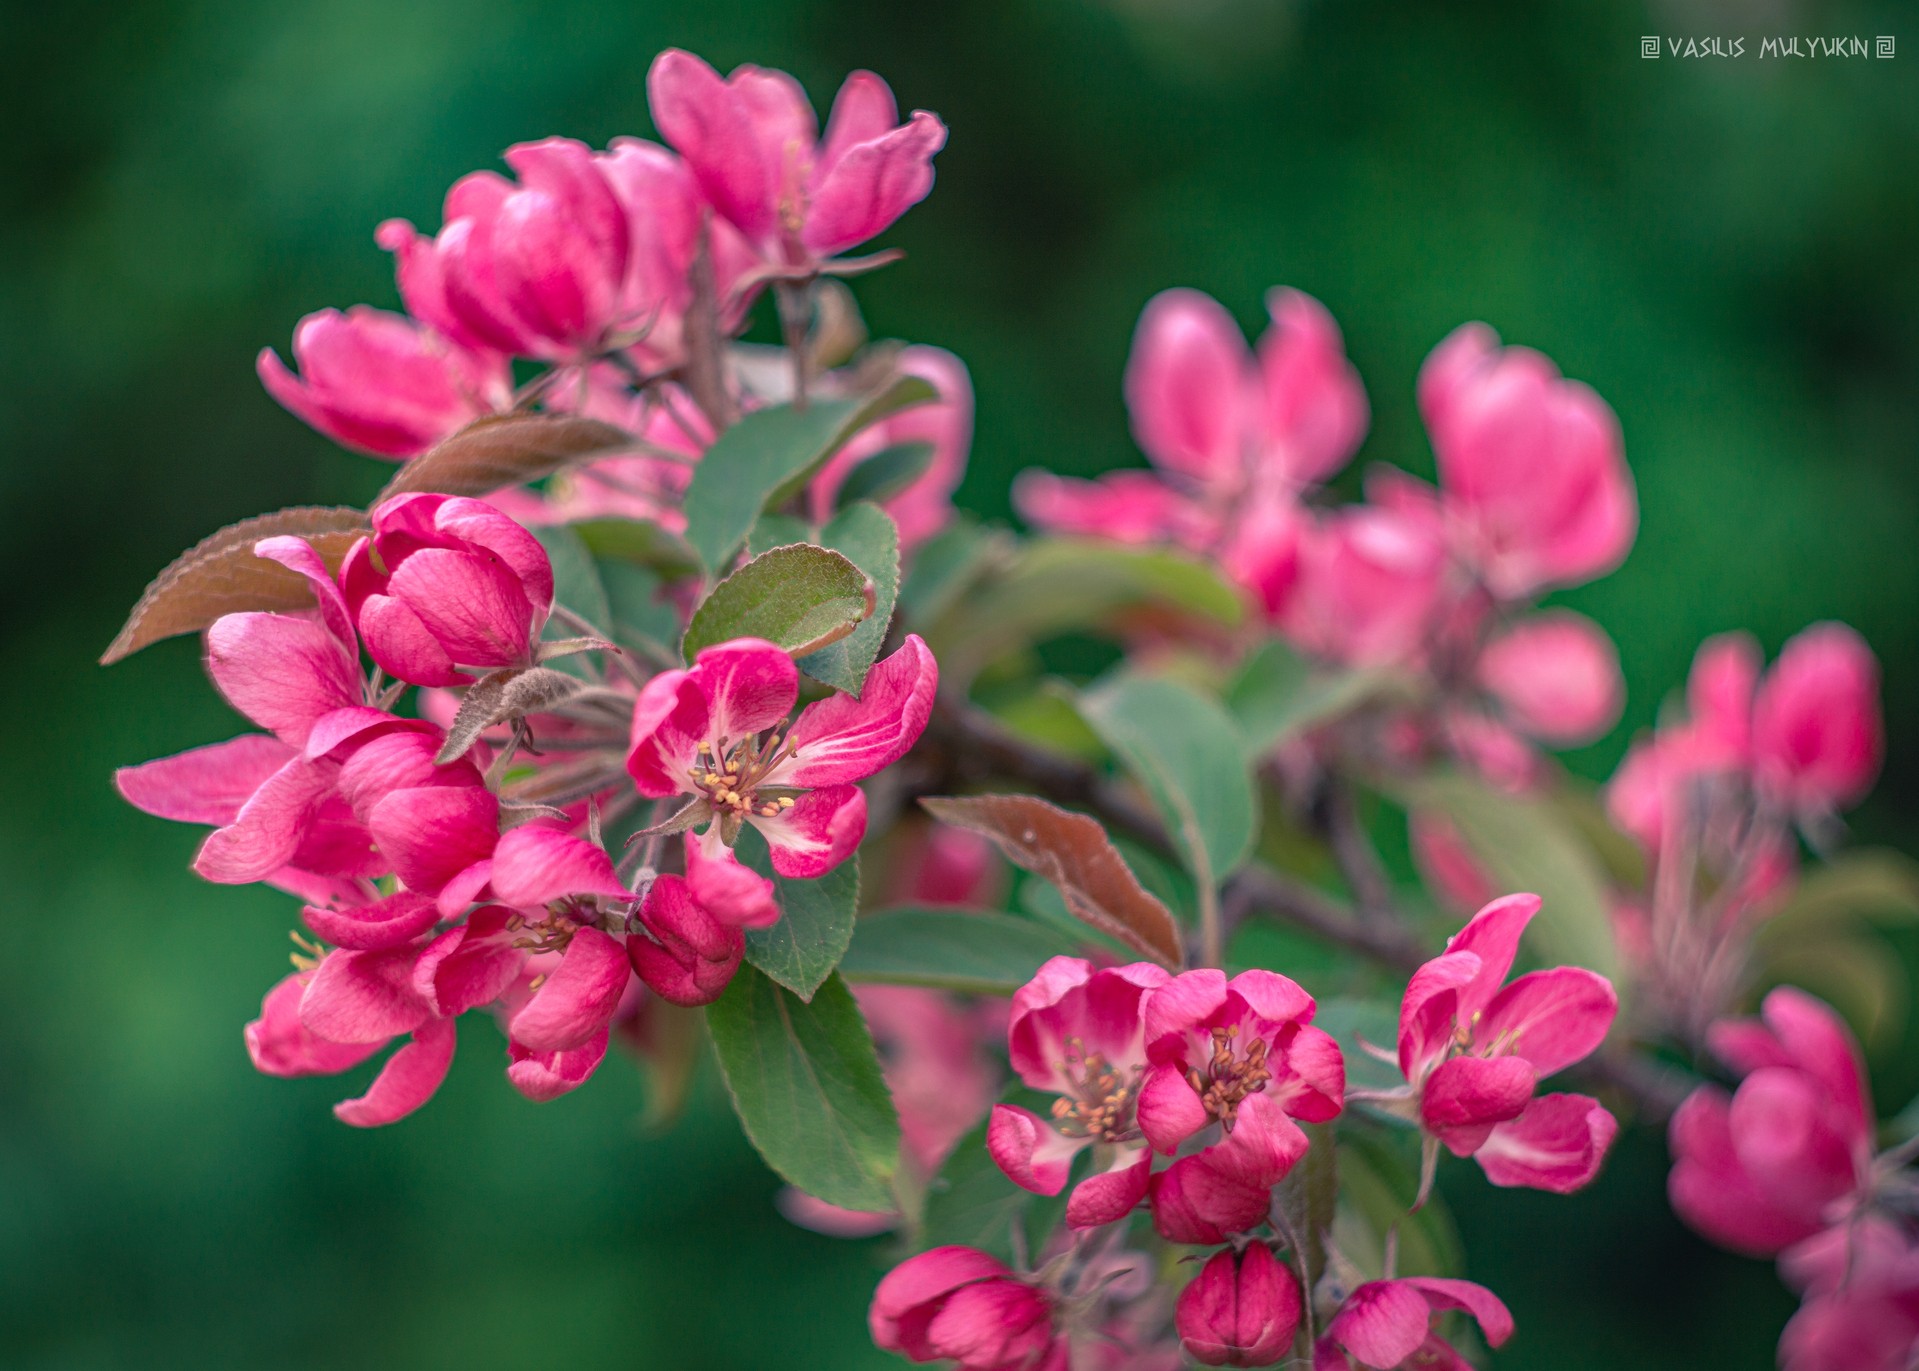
{"x":1725,"y":249}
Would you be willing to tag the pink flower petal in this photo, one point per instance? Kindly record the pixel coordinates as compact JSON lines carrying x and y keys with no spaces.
{"x":749,"y":684}
{"x":1465,"y":1095}
{"x":471,"y":965}
{"x":364,"y":997}
{"x":279,"y":1044}
{"x":726,"y":888}
{"x":543,"y":1076}
{"x":206,"y":785}
{"x":407,"y":1081}
{"x":842,"y":739}
{"x":872,"y":184}
{"x":282,"y":672}
{"x":1313,"y":407}
{"x":819,"y":832}
{"x":1189,"y":386}
{"x":1382,"y":1322}
{"x":1493,"y":936}
{"x":1558,"y":1143}
{"x":1430,"y":1010}
{"x":1169,"y":1110}
{"x":266,"y":834}
{"x":390,"y":922}
{"x":1557,"y":675}
{"x":432,"y":833}
{"x":1110,"y":1195}
{"x":472,"y":605}
{"x":1034,"y":1155}
{"x":1551,"y":1018}
{"x":578,"y":998}
{"x":670,"y":720}
{"x":535,"y":864}
{"x":1495,"y":1321}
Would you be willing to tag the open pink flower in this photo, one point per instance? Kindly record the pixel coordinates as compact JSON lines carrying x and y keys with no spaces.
{"x":1816,"y":733}
{"x":447,"y":586}
{"x":1861,"y":1287}
{"x":383,"y":384}
{"x":1556,"y":677}
{"x":1242,"y":1055}
{"x":1242,"y":1309}
{"x":1079,"y":1034}
{"x":923,"y":505}
{"x":1234,"y":437}
{"x":1532,"y":471}
{"x":752,"y":142}
{"x":1473,"y":1052}
{"x":717,"y":733}
{"x":1791,"y":1150}
{"x":274,"y":797}
{"x":961,"y":1305}
{"x":537,"y":269}
{"x":1388,"y":1324}
{"x":282,"y":1044}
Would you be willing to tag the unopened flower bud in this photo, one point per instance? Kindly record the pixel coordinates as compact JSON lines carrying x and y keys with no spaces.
{"x":691,"y":956}
{"x":1241,"y":1310}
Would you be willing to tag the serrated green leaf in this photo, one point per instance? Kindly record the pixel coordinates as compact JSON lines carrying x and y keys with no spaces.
{"x":641,"y":542}
{"x":816,"y":920}
{"x":807,"y":1085}
{"x":1055,"y":584}
{"x":795,"y":596}
{"x":1525,"y":845}
{"x":1278,"y":694}
{"x":947,"y":949}
{"x":887,"y":472}
{"x":769,"y":455}
{"x":866,"y":535}
{"x":1185,"y":749}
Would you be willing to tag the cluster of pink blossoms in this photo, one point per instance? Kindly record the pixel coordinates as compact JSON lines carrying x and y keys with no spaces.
{"x":451,"y":851}
{"x":1534,"y":495}
{"x":1218,"y":1075}
{"x":436,"y":894}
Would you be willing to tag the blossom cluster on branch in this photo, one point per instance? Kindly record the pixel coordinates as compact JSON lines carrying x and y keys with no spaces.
{"x":606,"y":719}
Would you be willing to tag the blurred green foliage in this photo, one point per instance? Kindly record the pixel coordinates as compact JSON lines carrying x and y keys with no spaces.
{"x":1724,"y":249}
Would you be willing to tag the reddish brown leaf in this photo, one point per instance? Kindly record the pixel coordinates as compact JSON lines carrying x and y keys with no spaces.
{"x":506,"y":450}
{"x":1072,"y":852}
{"x":220,"y":575}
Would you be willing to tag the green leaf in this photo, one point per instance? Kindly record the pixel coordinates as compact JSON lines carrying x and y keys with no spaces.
{"x":641,"y":542}
{"x":816,"y":920}
{"x":1377,"y":1183}
{"x":971,"y":1203}
{"x":1524,"y":844}
{"x":576,"y":581}
{"x":887,"y":472}
{"x":806,"y":1082}
{"x":948,"y":949}
{"x":1349,"y":1019}
{"x":769,"y":455}
{"x":800,"y":597}
{"x":867,"y":537}
{"x":1278,"y":694}
{"x":1185,"y":749}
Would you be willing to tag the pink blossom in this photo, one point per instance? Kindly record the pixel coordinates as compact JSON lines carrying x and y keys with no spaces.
{"x":1242,"y":1309}
{"x":1816,"y":732}
{"x":282,"y":1043}
{"x":537,"y":269}
{"x":1234,"y":438}
{"x":1368,"y":587}
{"x":924,"y":505}
{"x":1791,"y":1150}
{"x":1861,"y":1283}
{"x":383,"y":384}
{"x":1079,"y":1034}
{"x":1387,"y":1324}
{"x":1531,"y":466}
{"x":1473,"y":1054}
{"x":1556,"y":675}
{"x":1240,"y":1054}
{"x":961,"y":1305}
{"x":447,"y":586}
{"x":686,"y":956}
{"x":751,"y":141}
{"x":718,"y":734}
